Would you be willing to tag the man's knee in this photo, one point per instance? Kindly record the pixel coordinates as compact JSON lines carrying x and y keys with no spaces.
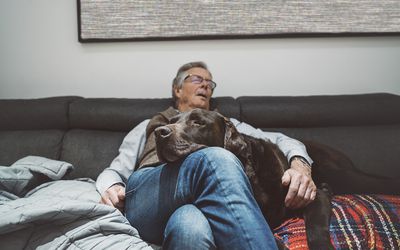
{"x":216,"y":156}
{"x":211,"y":163}
{"x":217,"y":153}
{"x":186,"y":227}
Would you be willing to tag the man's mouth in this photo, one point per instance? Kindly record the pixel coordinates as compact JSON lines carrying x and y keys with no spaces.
{"x":201,"y":94}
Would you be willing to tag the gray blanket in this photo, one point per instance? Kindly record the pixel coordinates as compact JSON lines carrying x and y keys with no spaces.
{"x":40,"y":211}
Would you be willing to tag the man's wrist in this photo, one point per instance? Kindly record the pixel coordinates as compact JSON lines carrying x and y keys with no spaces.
{"x":302,"y":160}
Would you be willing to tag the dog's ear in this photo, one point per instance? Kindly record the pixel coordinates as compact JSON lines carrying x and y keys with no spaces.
{"x":233,"y":140}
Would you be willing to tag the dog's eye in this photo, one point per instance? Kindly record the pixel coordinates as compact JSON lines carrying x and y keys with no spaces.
{"x":198,"y":123}
{"x":174,"y":119}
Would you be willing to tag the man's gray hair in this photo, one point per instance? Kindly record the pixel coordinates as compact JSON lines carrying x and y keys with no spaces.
{"x":182,"y":74}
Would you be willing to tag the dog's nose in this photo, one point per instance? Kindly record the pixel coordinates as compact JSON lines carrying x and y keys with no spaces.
{"x":163,"y":131}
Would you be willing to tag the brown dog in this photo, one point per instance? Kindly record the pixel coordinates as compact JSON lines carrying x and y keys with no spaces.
{"x":263,"y":163}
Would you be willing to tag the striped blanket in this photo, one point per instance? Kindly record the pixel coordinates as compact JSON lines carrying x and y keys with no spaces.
{"x":357,"y":222}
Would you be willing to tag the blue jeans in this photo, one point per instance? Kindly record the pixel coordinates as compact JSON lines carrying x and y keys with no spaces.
{"x":202,"y":202}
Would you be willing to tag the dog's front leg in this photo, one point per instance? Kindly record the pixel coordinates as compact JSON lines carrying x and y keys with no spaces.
{"x":317,"y":217}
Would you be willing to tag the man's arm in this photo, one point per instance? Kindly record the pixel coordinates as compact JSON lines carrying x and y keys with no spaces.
{"x":302,"y":189}
{"x":111,"y":182}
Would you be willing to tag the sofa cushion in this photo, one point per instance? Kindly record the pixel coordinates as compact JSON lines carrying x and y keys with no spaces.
{"x":338,"y":170}
{"x":90,"y":151}
{"x":119,"y":114}
{"x":43,"y":113}
{"x":366,"y":146}
{"x":320,"y":111}
{"x":227,"y":106}
{"x":365,"y":127}
{"x":20,"y":143}
{"x":114,"y":114}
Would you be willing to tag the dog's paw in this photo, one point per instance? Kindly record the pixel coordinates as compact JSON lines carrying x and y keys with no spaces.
{"x":326,"y":188}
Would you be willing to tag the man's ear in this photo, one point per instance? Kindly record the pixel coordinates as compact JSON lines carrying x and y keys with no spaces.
{"x":177,"y":91}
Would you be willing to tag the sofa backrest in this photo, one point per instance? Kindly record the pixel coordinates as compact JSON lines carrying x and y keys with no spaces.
{"x":33,"y":127}
{"x":364,"y":127}
{"x":87,"y":132}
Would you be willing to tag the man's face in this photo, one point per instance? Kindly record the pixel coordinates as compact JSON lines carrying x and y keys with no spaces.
{"x":193,"y":95}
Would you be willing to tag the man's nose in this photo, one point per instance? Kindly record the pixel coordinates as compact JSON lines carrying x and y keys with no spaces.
{"x":205,"y":84}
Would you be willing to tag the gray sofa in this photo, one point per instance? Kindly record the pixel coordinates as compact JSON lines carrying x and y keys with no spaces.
{"x":87,"y":132}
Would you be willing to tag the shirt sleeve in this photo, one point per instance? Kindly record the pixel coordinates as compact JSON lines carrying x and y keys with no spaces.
{"x":289,"y":146}
{"x":124,"y":164}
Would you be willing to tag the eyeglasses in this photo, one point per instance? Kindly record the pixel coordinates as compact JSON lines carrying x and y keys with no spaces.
{"x":198,"y":80}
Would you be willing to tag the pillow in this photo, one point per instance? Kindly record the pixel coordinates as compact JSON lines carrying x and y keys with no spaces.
{"x":357,"y":222}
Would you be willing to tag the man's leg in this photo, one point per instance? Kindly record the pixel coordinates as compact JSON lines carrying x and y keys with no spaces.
{"x":212,"y":179}
{"x":188,"y":228}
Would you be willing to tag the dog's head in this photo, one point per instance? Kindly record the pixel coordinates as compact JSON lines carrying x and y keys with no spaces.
{"x":193,"y":130}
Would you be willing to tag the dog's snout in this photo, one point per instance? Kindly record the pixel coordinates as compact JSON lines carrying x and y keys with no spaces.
{"x":163,"y":131}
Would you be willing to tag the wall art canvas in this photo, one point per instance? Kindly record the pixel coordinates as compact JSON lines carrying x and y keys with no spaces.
{"x":115,"y":20}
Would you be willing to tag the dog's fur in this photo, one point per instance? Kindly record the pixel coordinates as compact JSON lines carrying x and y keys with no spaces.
{"x":263,"y":163}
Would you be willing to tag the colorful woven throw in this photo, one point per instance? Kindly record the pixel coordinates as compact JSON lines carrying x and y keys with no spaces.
{"x":357,"y":222}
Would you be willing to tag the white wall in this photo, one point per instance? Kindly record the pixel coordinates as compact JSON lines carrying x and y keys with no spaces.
{"x":40,"y":56}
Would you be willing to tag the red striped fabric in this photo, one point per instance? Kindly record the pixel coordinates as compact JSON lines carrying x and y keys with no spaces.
{"x":357,"y":222}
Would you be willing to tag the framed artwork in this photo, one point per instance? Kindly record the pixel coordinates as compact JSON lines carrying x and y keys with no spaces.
{"x":137,"y":20}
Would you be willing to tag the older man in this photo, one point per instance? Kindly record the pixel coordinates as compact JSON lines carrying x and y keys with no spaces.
{"x":204,"y":201}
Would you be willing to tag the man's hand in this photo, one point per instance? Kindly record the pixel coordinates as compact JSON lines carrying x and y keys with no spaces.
{"x":114,"y":196}
{"x":302,"y":189}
